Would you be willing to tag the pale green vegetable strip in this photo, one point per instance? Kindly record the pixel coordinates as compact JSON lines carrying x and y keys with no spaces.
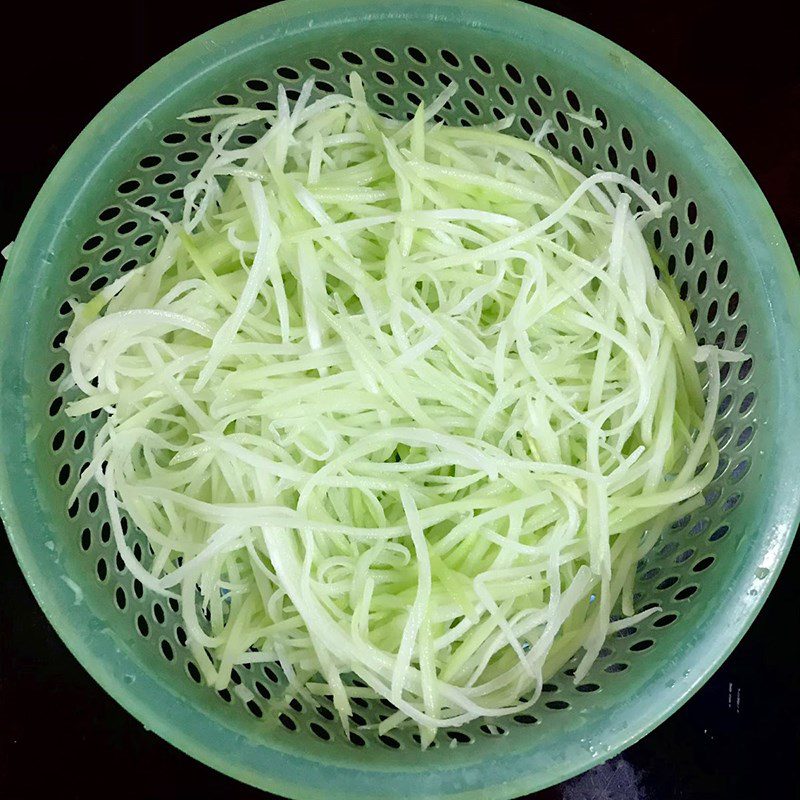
{"x":398,"y":405}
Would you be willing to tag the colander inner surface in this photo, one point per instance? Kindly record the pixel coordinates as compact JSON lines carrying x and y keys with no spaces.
{"x":675,"y":575}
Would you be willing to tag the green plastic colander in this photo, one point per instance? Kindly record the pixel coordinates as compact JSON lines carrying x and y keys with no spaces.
{"x":710,"y":573}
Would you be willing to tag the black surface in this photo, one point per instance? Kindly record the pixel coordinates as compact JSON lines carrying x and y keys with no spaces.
{"x":59,"y":733}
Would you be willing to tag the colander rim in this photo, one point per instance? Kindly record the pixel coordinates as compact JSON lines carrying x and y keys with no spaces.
{"x":163,"y":711}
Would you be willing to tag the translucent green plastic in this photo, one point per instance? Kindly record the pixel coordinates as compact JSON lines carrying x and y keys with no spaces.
{"x":712,"y":570}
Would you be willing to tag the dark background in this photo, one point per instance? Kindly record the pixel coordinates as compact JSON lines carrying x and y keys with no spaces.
{"x":739,"y":737}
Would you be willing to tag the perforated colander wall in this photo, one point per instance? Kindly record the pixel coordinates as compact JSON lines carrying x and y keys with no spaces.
{"x":397,"y":80}
{"x":403,"y":62}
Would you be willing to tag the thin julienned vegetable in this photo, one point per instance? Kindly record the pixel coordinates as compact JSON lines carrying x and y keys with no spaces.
{"x":398,"y":405}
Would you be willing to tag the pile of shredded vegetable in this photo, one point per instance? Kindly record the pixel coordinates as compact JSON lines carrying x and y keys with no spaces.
{"x":399,"y":406}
